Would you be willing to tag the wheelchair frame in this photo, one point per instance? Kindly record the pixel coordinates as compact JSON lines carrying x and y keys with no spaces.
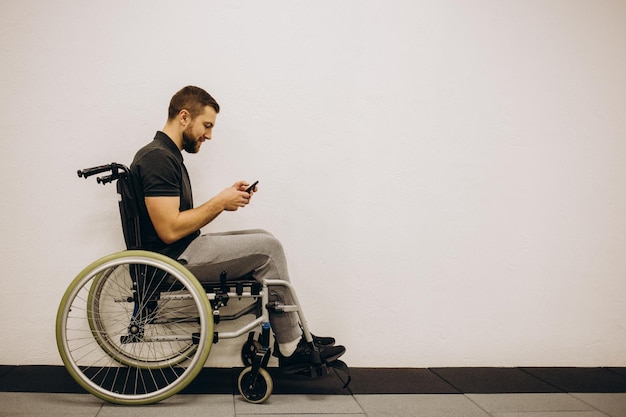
{"x":136,"y":327}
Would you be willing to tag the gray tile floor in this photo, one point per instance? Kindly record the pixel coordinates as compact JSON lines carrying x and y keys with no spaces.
{"x":388,"y":405}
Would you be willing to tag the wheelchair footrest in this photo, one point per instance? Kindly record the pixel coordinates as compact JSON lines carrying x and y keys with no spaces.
{"x":321,"y":369}
{"x":311,"y":370}
{"x":340,"y":369}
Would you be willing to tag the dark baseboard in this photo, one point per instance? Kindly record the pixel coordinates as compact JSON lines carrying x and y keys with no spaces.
{"x":483,"y":380}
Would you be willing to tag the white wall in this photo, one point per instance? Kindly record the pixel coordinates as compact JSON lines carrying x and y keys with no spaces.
{"x":448,"y":178}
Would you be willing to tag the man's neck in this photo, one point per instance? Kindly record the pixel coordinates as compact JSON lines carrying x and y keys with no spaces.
{"x":175,"y":134}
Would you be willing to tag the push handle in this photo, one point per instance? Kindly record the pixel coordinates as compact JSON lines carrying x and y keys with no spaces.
{"x":117,"y":171}
{"x":107,"y":179}
{"x":88,"y":172}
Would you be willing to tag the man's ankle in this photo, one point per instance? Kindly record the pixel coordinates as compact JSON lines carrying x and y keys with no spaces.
{"x":287,"y":349}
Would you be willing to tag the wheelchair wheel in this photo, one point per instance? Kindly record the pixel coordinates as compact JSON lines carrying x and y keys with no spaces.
{"x":134,"y":328}
{"x":255,"y":388}
{"x":116,"y":337}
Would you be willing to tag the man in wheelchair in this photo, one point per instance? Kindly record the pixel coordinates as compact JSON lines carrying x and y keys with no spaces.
{"x":170,"y":224}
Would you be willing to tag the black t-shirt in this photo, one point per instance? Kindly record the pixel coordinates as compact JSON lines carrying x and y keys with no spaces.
{"x":158,"y":171}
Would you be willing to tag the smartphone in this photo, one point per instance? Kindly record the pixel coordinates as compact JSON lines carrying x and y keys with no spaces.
{"x":250,"y":188}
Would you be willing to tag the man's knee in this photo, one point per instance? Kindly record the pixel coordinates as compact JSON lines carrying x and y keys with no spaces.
{"x":271,"y":245}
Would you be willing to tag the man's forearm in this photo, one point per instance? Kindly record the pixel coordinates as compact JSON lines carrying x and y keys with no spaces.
{"x":171,"y":224}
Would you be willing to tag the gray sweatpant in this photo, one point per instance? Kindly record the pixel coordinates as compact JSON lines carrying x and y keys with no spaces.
{"x":239,"y":253}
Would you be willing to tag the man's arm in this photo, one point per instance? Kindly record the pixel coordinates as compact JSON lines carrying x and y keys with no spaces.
{"x":171,"y":224}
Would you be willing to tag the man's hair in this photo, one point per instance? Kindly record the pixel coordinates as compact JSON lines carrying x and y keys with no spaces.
{"x":193,"y":99}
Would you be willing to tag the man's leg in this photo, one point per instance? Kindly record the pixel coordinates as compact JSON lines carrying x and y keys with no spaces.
{"x":240,"y":253}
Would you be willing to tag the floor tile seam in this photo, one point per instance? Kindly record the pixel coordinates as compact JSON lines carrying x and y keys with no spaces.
{"x":527,"y":372}
{"x":457,"y":394}
{"x":234,"y":403}
{"x":356,"y":400}
{"x":567,"y":394}
{"x":100,"y":410}
{"x":359,"y":413}
{"x":358,"y":403}
{"x":478,"y":405}
{"x":570,"y":394}
{"x":457,"y":389}
{"x":588,"y":404}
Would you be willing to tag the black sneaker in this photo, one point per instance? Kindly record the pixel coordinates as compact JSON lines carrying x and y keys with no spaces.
{"x":302,"y":357}
{"x":320,"y":341}
{"x":323,"y":341}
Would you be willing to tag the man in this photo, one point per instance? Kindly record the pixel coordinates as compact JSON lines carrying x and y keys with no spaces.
{"x":170,"y":224}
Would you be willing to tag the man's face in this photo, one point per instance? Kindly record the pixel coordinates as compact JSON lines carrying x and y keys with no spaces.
{"x":199,"y":130}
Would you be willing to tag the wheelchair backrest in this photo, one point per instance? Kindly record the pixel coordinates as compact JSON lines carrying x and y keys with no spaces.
{"x":129,"y":212}
{"x":129,"y":208}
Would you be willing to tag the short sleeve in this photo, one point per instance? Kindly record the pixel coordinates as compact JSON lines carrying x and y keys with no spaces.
{"x":160,"y":174}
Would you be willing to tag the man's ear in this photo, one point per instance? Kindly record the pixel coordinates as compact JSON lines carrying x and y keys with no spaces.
{"x":184,"y":117}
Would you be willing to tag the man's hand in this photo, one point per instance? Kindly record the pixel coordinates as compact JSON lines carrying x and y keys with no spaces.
{"x":235,"y":197}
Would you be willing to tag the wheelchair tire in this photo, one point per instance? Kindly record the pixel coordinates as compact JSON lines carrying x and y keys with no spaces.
{"x":134,"y":327}
{"x":255,"y":389}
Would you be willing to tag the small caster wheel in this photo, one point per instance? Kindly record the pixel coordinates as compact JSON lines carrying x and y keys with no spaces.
{"x":248,"y":352}
{"x":255,"y":388}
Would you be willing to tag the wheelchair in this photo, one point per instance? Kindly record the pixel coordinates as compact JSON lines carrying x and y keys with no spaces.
{"x":136,"y":327}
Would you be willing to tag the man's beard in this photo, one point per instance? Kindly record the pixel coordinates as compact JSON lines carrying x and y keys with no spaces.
{"x":190,"y":144}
